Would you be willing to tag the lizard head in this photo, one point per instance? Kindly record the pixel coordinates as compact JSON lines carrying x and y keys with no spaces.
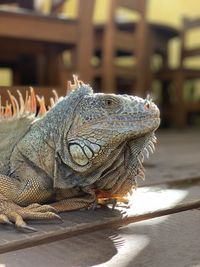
{"x":104,"y":123}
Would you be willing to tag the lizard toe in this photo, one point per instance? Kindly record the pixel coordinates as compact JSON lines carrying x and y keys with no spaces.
{"x":37,"y":215}
{"x":5,"y":220}
{"x":19,"y":222}
{"x":15,"y":214}
{"x":41,"y":208}
{"x":34,"y":206}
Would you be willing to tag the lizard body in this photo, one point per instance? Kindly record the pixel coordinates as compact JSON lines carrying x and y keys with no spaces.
{"x":88,"y":147}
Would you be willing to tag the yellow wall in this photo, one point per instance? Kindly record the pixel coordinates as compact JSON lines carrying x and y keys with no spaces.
{"x":171,"y":11}
{"x":166,"y":11}
{"x":5,"y":77}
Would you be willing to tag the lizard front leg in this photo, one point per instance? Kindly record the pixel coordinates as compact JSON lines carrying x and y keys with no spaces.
{"x":16,"y":204}
{"x":88,"y":198}
{"x":77,"y":203}
{"x":72,"y":199}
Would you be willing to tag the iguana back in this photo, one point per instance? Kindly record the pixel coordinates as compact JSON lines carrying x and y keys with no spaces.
{"x":16,"y":118}
{"x":11,"y":132}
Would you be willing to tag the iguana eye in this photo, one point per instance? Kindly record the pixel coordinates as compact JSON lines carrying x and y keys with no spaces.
{"x":110,"y":102}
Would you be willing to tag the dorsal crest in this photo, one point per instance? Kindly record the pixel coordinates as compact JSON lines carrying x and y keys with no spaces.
{"x":33,"y":104}
{"x":78,"y":87}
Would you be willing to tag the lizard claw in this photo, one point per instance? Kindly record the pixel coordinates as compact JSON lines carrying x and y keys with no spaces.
{"x":17,"y":219}
{"x":108,"y":201}
{"x":14,"y":214}
{"x":26,"y":228}
{"x":22,"y":226}
{"x":4,"y":219}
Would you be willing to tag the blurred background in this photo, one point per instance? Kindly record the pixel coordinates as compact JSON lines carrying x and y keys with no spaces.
{"x":137,"y":47}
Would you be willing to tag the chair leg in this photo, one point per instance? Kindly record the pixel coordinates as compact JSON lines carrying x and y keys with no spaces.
{"x":165,"y":105}
{"x":180,"y":116}
{"x":143,"y":85}
{"x":109,"y":84}
{"x":54,"y":67}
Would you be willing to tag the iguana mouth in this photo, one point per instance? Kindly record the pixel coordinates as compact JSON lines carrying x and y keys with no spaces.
{"x":126,"y":118}
{"x":131,"y":117}
{"x":129,"y":121}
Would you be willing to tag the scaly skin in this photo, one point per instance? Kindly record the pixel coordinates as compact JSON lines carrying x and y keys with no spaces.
{"x":85,"y":150}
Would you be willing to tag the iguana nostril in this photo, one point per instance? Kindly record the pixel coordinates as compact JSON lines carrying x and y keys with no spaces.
{"x":147,"y":105}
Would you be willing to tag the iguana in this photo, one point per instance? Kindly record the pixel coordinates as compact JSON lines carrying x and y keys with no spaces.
{"x":87,"y":148}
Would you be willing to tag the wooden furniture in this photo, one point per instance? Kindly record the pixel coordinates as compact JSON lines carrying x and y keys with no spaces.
{"x":84,"y":46}
{"x":115,"y":42}
{"x":32,"y":45}
{"x":19,"y":3}
{"x":159,"y":36}
{"x":178,"y":111}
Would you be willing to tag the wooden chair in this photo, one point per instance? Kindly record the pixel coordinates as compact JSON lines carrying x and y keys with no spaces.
{"x":82,"y":51}
{"x":177,"y":112}
{"x":33,"y":44}
{"x":115,"y":42}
